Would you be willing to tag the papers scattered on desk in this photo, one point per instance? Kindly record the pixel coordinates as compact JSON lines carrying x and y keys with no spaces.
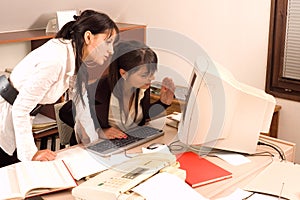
{"x":242,"y":194}
{"x":176,"y":116}
{"x":167,"y":186}
{"x":82,"y":163}
{"x":174,"y":119}
{"x":280,"y":179}
{"x":233,"y":158}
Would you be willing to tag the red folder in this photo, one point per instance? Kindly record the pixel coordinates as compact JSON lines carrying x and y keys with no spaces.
{"x":200,"y":171}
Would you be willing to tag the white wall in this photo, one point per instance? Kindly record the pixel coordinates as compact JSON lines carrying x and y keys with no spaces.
{"x":12,"y":53}
{"x":233,"y":32}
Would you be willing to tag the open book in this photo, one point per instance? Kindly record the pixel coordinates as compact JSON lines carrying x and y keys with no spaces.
{"x":31,"y":178}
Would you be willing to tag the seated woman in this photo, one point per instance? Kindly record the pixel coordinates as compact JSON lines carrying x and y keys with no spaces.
{"x":121,"y":100}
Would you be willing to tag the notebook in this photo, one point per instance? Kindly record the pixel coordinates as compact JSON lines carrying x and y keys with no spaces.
{"x":200,"y":171}
{"x":135,"y":137}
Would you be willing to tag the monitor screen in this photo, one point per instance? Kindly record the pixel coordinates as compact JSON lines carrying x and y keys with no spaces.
{"x":222,"y":112}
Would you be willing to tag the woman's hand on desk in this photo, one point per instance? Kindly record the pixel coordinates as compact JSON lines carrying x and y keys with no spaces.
{"x":44,"y":155}
{"x":167,"y":91}
{"x":112,"y":133}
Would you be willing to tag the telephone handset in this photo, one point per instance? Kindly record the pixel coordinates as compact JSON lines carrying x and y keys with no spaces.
{"x":121,"y":178}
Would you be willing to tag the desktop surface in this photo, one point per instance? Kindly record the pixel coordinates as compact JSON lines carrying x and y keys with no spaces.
{"x":241,"y":174}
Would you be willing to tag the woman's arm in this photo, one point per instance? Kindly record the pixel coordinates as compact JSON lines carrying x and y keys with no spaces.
{"x":158,"y":108}
{"x":167,"y":91}
{"x":31,"y":93}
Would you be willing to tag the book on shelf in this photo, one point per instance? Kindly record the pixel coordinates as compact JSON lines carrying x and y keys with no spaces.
{"x":200,"y":171}
{"x":33,"y":178}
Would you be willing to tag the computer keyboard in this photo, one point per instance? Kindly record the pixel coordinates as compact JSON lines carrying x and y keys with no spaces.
{"x":135,"y":137}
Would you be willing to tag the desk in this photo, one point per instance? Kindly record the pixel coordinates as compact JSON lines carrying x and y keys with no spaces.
{"x":241,"y":174}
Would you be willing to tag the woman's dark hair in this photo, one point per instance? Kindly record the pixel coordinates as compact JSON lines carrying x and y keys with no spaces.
{"x":88,"y":20}
{"x":130,"y":56}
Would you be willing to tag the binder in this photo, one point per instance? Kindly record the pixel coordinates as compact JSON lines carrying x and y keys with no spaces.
{"x":200,"y":171}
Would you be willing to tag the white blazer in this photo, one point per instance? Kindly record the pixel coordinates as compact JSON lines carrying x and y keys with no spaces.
{"x":41,"y":77}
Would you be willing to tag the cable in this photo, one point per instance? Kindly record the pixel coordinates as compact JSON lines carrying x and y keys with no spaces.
{"x":175,"y":148}
{"x":279,"y":148}
{"x":263,"y":153}
{"x":275,"y":147}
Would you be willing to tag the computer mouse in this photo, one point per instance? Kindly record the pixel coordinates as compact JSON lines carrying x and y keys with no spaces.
{"x":154,"y":146}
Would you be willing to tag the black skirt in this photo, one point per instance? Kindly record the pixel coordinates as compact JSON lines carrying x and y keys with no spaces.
{"x":6,"y":159}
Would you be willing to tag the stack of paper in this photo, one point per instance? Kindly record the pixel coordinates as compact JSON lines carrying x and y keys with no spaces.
{"x":42,"y":123}
{"x":174,"y":119}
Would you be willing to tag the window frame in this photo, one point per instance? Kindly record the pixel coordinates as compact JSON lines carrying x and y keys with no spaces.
{"x":276,"y":84}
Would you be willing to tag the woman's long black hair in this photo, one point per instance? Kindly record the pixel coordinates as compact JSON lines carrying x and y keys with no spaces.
{"x":130,"y":56}
{"x":88,"y":20}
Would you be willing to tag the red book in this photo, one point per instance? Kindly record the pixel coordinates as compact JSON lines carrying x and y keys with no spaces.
{"x":200,"y":171}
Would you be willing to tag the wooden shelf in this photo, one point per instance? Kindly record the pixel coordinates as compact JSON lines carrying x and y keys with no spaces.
{"x":23,"y":36}
{"x":33,"y":35}
{"x":127,"y":27}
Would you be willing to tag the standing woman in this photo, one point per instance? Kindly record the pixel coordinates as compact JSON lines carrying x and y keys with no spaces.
{"x":45,"y":74}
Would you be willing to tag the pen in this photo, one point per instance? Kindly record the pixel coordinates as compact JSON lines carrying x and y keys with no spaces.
{"x":279,"y":197}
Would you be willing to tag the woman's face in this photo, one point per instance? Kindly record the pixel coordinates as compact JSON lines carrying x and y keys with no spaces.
{"x":141,"y":78}
{"x":98,"y":48}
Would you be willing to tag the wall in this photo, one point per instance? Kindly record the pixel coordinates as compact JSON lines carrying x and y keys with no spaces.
{"x":233,"y":32}
{"x":34,"y":14}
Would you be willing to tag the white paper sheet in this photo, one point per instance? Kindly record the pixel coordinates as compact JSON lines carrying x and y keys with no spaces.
{"x":80,"y":162}
{"x":83,"y":163}
{"x":167,"y":186}
{"x":233,"y":158}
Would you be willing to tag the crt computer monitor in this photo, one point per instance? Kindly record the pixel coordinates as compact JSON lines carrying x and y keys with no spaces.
{"x":222,"y":112}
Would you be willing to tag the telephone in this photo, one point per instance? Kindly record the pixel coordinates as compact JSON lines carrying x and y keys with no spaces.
{"x":119,"y":179}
